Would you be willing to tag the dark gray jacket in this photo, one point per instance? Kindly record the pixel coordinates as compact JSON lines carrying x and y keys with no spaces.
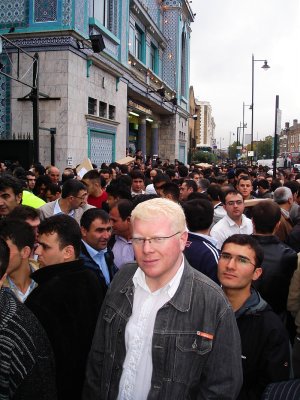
{"x":186,"y":364}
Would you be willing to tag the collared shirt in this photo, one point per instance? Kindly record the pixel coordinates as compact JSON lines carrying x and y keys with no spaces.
{"x":98,"y":257}
{"x":207,"y":237}
{"x":135,"y":381}
{"x":57,"y":209}
{"x":227,"y":227}
{"x":285,"y":213}
{"x":17,"y":292}
{"x":137,"y":193}
{"x":123,"y":251}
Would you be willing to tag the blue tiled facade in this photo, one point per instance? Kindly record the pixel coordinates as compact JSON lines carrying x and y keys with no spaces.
{"x":157,"y":26}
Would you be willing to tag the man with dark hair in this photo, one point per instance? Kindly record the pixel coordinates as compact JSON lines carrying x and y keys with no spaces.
{"x":116,"y":191}
{"x":138,"y":182}
{"x":72,"y":201}
{"x":96,"y":230}
{"x":30,"y":180}
{"x":265,"y":342}
{"x":200,"y":250}
{"x":187,"y":187}
{"x":244,"y":186}
{"x":280,"y":261}
{"x":294,"y":211}
{"x":263,"y":189}
{"x":10,"y":194}
{"x":53,"y":192}
{"x":32,"y":217}
{"x":214,"y":193}
{"x":234,"y":221}
{"x":158,"y":181}
{"x":26,"y":361}
{"x":171,"y":191}
{"x":20,"y":238}
{"x":120,"y":242}
{"x":96,"y":188}
{"x":66,"y":301}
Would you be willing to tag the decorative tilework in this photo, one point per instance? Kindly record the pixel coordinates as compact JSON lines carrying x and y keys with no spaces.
{"x":13,"y":13}
{"x":102,"y":148}
{"x":80,"y":15}
{"x":67,"y":12}
{"x":45,"y":10}
{"x":170,"y":53}
{"x":5,"y":100}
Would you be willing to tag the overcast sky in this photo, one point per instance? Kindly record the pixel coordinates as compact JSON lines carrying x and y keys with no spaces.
{"x":225,"y":34}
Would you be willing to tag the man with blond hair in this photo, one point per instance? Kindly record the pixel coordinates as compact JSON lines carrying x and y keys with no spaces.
{"x":165,"y":330}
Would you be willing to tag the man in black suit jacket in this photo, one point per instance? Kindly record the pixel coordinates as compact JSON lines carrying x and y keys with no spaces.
{"x":66,"y":301}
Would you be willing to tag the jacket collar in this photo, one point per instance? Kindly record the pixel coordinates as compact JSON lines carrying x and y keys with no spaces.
{"x":268,"y":239}
{"x":182,"y":298}
{"x":46,"y":273}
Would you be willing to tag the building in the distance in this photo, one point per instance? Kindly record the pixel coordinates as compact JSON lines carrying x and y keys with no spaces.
{"x":206,"y":124}
{"x":113,"y":75}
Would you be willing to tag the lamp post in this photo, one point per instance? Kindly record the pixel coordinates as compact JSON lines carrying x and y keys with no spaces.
{"x":244,"y":125}
{"x":265,"y":67}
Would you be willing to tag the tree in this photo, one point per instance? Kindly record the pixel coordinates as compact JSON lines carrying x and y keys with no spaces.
{"x":204,"y":156}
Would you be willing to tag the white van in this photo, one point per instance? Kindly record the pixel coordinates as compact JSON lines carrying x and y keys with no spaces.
{"x":269,"y":162}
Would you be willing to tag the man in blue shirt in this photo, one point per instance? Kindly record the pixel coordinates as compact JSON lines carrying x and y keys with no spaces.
{"x":96,"y":230}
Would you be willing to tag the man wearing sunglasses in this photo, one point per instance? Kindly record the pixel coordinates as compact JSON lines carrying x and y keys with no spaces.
{"x":165,"y":330}
{"x":265,"y":342}
{"x":235,"y":222}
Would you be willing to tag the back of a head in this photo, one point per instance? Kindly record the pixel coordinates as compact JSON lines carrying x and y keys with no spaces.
{"x":263,"y":183}
{"x":161,"y":178}
{"x":23,"y":213}
{"x":172,"y":189}
{"x":293,"y":185}
{"x":19,"y":232}
{"x":266,"y":214}
{"x":71,"y":188}
{"x":8,"y":181}
{"x":4,"y":257}
{"x":183,"y":171}
{"x":158,"y":208}
{"x":125,"y":208}
{"x":66,"y":228}
{"x":199,"y":214}
{"x":119,"y":189}
{"x":204,"y":183}
{"x":93,"y":174}
{"x":214,"y":192}
{"x":282,"y":195}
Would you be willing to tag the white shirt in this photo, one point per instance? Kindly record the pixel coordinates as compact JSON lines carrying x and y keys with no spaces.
{"x":135,"y":381}
{"x":57,"y":209}
{"x":227,"y":227}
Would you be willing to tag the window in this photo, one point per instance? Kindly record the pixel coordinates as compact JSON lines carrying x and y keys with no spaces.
{"x":102,"y":10}
{"x":102,"y":109}
{"x":111,"y":112}
{"x":138,"y":44}
{"x":92,"y":106}
{"x":153,"y":58}
{"x":183,"y":65}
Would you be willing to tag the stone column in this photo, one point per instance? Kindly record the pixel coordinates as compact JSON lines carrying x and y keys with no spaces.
{"x":142,"y":135}
{"x":155,"y":138}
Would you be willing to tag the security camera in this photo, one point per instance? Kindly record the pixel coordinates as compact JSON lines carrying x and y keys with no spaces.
{"x":195,"y":117}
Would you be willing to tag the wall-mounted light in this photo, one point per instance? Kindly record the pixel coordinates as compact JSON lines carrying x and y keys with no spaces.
{"x":134,"y":114}
{"x":149,"y":119}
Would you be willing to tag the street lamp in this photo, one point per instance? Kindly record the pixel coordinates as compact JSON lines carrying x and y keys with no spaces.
{"x":245,"y":125}
{"x":265,"y":67}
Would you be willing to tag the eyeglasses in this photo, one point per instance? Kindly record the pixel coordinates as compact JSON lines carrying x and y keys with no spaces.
{"x":81,"y":197}
{"x":232,"y":203}
{"x":240,"y":260}
{"x":156,"y":241}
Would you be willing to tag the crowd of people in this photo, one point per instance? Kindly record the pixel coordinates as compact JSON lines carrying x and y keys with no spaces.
{"x":149,"y":280}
